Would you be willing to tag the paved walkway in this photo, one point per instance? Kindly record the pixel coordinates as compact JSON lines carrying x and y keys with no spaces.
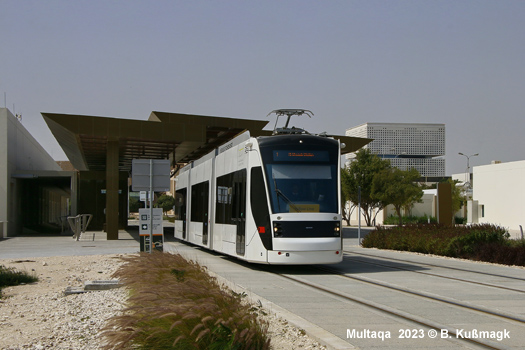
{"x":278,"y":295}
{"x":91,"y":243}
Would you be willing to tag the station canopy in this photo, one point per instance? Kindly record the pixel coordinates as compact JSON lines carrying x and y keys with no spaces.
{"x":181,"y":138}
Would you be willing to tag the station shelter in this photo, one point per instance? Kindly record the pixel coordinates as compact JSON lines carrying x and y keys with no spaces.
{"x":101,"y":149}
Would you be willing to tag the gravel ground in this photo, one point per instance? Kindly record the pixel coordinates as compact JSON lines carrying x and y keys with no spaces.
{"x":40,"y":316}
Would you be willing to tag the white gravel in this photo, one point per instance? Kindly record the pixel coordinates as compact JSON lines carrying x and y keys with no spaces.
{"x":41,"y":316}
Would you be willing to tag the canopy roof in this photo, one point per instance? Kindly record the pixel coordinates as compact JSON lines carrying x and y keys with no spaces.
{"x":181,"y":138}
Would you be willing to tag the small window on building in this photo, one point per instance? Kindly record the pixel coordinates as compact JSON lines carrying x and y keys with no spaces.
{"x":482,"y":210}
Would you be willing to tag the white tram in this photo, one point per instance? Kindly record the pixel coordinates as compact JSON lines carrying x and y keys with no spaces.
{"x":268,"y":200}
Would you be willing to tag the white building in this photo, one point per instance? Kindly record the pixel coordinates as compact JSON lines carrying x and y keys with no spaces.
{"x":491,"y":200}
{"x":33,"y":188}
{"x":406,"y":145}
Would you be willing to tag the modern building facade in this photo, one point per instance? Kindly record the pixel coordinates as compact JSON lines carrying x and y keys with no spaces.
{"x":419,"y":146}
{"x":34,"y":191}
{"x":491,"y":200}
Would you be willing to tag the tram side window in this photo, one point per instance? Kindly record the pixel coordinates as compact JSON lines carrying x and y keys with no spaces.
{"x":180,"y":204}
{"x":230,"y":200}
{"x":199,"y":202}
{"x":223,"y":211}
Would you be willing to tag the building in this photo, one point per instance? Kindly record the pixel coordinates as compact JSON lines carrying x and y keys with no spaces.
{"x":491,"y":200}
{"x":419,"y":146}
{"x":35,"y":194}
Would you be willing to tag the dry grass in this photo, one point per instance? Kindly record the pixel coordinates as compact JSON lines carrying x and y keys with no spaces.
{"x":176,"y":304}
{"x":13,"y":277}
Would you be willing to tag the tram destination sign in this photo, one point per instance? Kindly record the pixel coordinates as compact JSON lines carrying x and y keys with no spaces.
{"x":300,"y":156}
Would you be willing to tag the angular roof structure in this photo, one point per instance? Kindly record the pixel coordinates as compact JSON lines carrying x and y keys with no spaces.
{"x":178,"y":137}
{"x":181,"y":138}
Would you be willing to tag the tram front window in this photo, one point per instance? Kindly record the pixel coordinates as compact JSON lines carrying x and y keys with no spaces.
{"x":302,"y":188}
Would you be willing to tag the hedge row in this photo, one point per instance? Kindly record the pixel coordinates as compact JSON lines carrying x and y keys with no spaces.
{"x":476,"y":242}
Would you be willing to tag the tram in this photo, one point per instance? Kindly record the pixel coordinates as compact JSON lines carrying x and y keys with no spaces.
{"x":268,"y":199}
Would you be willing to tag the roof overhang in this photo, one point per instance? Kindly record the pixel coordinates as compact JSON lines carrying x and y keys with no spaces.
{"x":178,"y":137}
{"x":181,"y":138}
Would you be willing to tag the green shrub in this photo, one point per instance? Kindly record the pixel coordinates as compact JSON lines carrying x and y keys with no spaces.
{"x":169,"y":218}
{"x":501,"y":254}
{"x":459,"y":220}
{"x":12,"y":277}
{"x":176,"y":304}
{"x":479,"y":242}
{"x":465,"y":244}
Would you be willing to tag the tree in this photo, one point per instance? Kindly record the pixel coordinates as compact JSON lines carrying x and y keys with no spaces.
{"x":345,"y":196}
{"x":166,"y":202}
{"x":361,"y":173}
{"x":134,"y":205}
{"x":397,"y":187}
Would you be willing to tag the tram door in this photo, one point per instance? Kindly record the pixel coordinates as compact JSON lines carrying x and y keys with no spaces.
{"x":205,"y":228}
{"x":199,"y":207}
{"x":239,"y":209}
{"x":180,"y":209}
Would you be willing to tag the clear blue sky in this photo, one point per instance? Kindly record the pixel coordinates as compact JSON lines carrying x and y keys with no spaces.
{"x":461,"y":63}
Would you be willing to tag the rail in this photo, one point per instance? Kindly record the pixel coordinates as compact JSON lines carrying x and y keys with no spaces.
{"x":79,"y":224}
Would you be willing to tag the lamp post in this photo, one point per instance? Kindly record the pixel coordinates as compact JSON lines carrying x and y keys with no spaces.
{"x":467,"y":172}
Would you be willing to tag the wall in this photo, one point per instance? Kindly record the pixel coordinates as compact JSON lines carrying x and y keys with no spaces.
{"x":4,"y":177}
{"x":19,"y":152}
{"x":499,"y":190}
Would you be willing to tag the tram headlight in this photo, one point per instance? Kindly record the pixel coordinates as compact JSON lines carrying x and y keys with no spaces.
{"x":277,"y":229}
{"x":337,"y":229}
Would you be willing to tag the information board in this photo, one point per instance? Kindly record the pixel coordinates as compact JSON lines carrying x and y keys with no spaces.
{"x":145,"y":222}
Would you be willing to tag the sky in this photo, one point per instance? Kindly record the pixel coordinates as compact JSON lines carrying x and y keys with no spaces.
{"x":461,"y":63}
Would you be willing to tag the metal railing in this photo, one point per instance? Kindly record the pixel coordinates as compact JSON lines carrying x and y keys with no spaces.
{"x":79,"y":224}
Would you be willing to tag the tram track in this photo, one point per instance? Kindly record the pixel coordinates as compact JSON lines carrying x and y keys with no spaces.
{"x":442,"y":299}
{"x":451,"y":331}
{"x":436,"y":275}
{"x":319,"y":293}
{"x":438,"y":266}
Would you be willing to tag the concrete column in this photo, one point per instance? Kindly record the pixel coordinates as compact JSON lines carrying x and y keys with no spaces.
{"x":74,"y":194}
{"x":112,"y":155}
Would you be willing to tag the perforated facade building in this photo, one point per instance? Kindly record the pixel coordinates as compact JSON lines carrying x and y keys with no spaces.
{"x":419,"y":146}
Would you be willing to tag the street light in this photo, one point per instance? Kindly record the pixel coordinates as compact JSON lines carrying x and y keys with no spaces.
{"x":467,"y":172}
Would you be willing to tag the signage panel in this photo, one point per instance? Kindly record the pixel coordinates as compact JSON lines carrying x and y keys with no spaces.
{"x":145,"y":221}
{"x":150,"y":174}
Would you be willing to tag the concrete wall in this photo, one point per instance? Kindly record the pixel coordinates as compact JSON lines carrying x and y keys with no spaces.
{"x":4,"y":177}
{"x":19,"y":152}
{"x":499,"y":190}
{"x":427,"y":207}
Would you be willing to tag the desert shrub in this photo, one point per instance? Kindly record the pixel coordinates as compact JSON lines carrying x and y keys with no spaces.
{"x":176,"y":304}
{"x":12,"y":277}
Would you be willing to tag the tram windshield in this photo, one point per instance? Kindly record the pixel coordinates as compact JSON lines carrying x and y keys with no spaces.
{"x":302,"y":181}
